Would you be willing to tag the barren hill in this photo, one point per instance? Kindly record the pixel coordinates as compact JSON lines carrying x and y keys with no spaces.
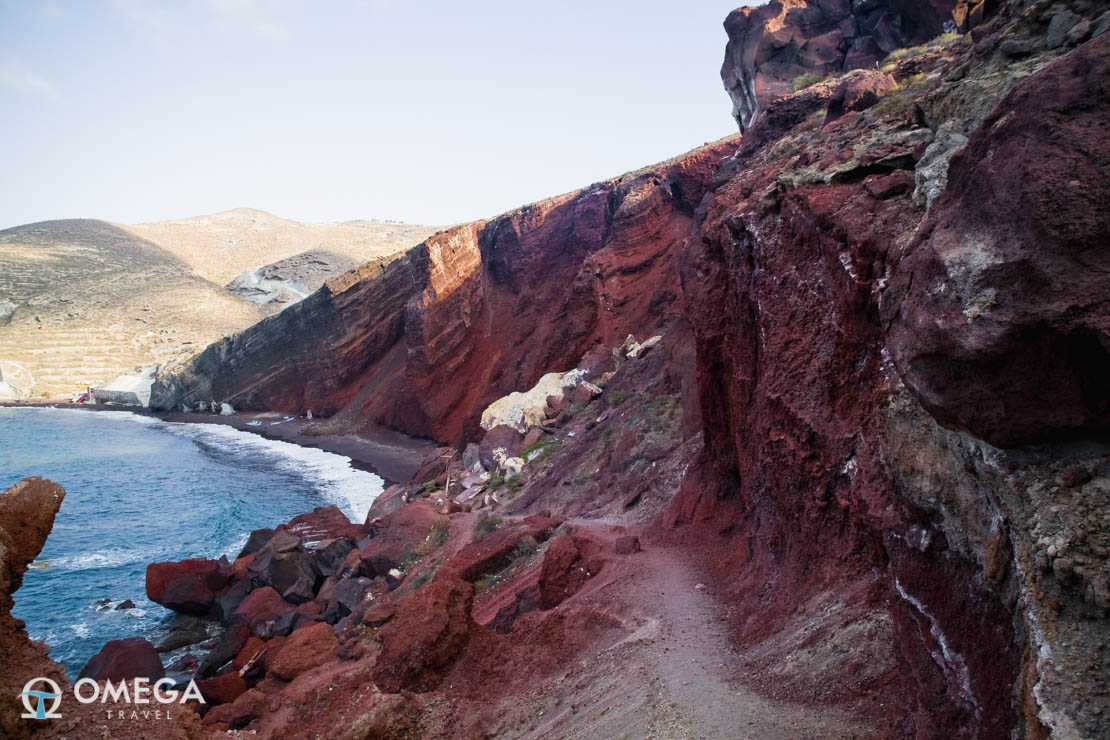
{"x":83,"y":301}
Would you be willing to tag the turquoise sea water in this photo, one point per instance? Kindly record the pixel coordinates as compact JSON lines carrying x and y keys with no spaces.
{"x":140,"y":490}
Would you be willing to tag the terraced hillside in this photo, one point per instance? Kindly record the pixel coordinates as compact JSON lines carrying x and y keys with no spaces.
{"x":94,"y":300}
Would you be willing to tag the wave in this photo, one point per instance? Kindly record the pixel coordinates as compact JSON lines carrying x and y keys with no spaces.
{"x":349,"y":488}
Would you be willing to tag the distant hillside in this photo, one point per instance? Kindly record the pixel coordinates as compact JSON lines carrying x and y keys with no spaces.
{"x":83,"y":301}
{"x":220,"y":246}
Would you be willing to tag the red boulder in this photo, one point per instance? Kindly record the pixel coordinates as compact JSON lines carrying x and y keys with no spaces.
{"x":121,"y":660}
{"x":188,"y":586}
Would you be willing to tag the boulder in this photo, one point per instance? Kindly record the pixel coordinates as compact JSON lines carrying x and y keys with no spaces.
{"x":255,"y":541}
{"x":387,"y":502}
{"x":284,"y":564}
{"x":350,"y":593}
{"x":470,"y":456}
{"x":261,"y":611}
{"x":523,"y":410}
{"x":567,"y":565}
{"x":229,"y":600}
{"x":512,"y":466}
{"x":249,"y":706}
{"x":858,"y":91}
{"x":185,"y":631}
{"x":331,"y":555}
{"x":121,"y":660}
{"x":307,"y":648}
{"x":321,"y":524}
{"x":188,"y":586}
{"x":222,"y":689}
{"x":427,"y":632}
{"x":226,"y":648}
{"x":499,"y":443}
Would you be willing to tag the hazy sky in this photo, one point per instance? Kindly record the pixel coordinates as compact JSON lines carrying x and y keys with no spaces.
{"x":427,"y":111}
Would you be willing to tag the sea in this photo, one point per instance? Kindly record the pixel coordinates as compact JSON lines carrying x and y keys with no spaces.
{"x":140,"y":490}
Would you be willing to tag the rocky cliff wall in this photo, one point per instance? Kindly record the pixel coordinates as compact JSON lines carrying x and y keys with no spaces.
{"x":770,"y":45}
{"x":426,"y":343}
{"x":902,"y":405}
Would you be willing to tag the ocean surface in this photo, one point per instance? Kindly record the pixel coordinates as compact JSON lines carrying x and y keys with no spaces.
{"x":140,"y":490}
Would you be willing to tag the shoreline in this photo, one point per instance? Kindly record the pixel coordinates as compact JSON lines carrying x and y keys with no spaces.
{"x":390,"y":455}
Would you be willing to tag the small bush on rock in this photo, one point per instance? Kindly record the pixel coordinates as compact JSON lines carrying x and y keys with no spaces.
{"x":802,"y":81}
{"x":488,"y":523}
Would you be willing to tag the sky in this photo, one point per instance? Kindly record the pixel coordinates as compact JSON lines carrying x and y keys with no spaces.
{"x":425,"y":111}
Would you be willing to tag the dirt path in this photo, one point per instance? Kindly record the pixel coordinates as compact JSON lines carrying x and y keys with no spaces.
{"x":674,"y":675}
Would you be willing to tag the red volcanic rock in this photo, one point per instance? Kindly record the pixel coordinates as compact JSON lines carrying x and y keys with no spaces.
{"x":770,"y":45}
{"x":1000,"y":317}
{"x":309,"y":647}
{"x":188,"y":586}
{"x":497,"y":549}
{"x":250,"y":649}
{"x":626,"y":544}
{"x":247,"y":707}
{"x":27,"y":512}
{"x":260,"y":611}
{"x":421,"y":345}
{"x":428,"y":631}
{"x":396,"y":536}
{"x":434,"y":465}
{"x":222,"y":689}
{"x":568,"y":563}
{"x":323,"y":523}
{"x":287,"y":566}
{"x":858,"y":91}
{"x":499,"y":443}
{"x":389,"y":501}
{"x":119,"y":660}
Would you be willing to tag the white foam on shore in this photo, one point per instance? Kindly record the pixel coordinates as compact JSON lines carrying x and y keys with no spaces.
{"x":349,"y":488}
{"x":343,"y":485}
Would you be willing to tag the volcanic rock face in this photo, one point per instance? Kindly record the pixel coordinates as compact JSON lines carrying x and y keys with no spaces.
{"x":836,"y":326}
{"x":425,"y":343}
{"x":770,"y":45}
{"x":1002,"y":323}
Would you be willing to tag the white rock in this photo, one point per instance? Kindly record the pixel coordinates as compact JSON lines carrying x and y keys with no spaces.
{"x":641,"y":349}
{"x":512,"y":466}
{"x":523,"y":410}
{"x":226,"y":409}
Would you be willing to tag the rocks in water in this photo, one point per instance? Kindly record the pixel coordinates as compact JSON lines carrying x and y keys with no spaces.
{"x":120,"y":660}
{"x":185,"y":631}
{"x":256,"y":540}
{"x":125,"y":604}
{"x":188,"y":586}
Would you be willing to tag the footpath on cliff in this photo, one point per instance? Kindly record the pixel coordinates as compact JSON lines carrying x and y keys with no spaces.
{"x":676,"y":674}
